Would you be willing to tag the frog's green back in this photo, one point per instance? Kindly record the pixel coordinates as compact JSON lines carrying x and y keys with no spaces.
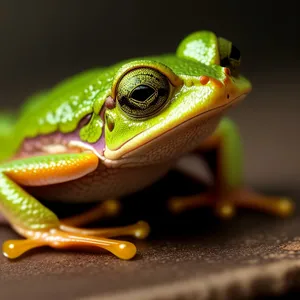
{"x":62,"y":107}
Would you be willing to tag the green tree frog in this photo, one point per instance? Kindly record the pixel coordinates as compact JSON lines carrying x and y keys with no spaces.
{"x":111,"y":131}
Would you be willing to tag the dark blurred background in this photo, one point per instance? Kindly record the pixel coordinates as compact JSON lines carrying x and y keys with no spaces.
{"x":43,"y":42}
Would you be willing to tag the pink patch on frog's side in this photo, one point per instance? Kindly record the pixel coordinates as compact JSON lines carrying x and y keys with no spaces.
{"x":36,"y":146}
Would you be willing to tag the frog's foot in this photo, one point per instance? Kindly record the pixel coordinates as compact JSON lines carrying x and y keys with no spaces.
{"x":65,"y":237}
{"x":225,"y":205}
{"x":40,"y":225}
{"x":139,"y":230}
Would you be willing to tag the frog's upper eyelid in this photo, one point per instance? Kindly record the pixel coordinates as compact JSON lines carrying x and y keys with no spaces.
{"x":174,"y":79}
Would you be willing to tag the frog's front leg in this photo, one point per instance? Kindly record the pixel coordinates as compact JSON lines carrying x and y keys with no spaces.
{"x":228,"y":191}
{"x":37,"y":223}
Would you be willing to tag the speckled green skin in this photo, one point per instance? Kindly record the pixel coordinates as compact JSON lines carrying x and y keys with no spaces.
{"x":61,"y":109}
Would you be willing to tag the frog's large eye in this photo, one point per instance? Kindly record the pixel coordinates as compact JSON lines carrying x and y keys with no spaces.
{"x":230,"y":56}
{"x":142,"y":92}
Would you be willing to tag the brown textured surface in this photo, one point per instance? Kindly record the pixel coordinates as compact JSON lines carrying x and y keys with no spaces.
{"x":192,"y":256}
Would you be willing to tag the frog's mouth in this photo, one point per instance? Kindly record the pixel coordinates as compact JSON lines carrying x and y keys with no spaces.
{"x":139,"y":143}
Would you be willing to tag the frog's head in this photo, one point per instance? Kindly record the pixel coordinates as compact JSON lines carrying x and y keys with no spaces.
{"x":161,"y":107}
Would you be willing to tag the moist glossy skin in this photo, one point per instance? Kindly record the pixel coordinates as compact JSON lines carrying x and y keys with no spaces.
{"x":111,"y":131}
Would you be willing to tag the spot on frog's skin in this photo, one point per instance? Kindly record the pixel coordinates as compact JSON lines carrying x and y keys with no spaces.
{"x":227,"y":71}
{"x":204,"y":79}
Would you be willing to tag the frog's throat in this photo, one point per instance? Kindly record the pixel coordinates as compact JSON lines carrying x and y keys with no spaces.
{"x":123,"y":154}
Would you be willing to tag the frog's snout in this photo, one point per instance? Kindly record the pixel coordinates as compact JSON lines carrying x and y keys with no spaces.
{"x":236,"y":87}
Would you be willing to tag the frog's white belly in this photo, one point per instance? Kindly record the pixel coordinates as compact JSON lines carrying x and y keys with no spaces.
{"x":102,"y":184}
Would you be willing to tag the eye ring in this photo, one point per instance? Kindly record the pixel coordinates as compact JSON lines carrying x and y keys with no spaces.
{"x":142,"y":92}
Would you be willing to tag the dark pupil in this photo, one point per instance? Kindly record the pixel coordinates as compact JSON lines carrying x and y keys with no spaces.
{"x":235,"y":53}
{"x":142,"y":92}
